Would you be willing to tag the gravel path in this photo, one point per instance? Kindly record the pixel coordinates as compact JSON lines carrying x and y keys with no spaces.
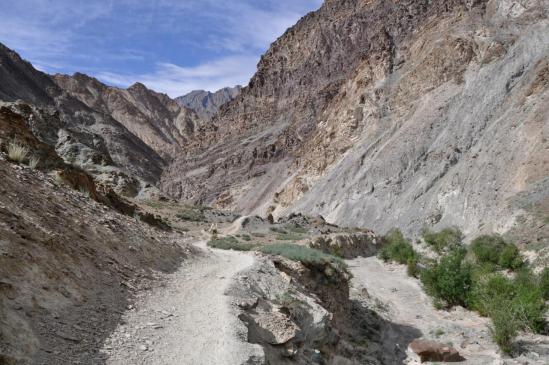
{"x":403,"y":301}
{"x":188,"y":321}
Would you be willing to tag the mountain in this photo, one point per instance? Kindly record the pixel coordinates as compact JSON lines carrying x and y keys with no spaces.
{"x":206,"y":103}
{"x":125,"y":138}
{"x":388,"y":114}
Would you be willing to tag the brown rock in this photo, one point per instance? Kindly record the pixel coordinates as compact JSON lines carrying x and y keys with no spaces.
{"x":435,"y":351}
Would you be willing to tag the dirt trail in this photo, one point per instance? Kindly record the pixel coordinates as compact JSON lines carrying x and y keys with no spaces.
{"x":402,"y":301}
{"x":190,"y":320}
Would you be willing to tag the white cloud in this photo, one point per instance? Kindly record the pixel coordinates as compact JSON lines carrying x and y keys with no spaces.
{"x":176,"y":80}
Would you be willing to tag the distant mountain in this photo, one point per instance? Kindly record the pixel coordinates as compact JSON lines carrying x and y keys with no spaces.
{"x":125,"y":138}
{"x":206,"y":103}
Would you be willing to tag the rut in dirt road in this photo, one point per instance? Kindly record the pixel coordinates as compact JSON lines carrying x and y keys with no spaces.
{"x":190,"y":320}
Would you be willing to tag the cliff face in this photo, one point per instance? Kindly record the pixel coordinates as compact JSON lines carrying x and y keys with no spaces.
{"x":123,"y":137}
{"x":387,"y":113}
{"x":206,"y":103}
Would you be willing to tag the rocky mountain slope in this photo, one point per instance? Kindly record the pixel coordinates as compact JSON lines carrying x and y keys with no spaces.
{"x":389,"y":113}
{"x":123,"y":137}
{"x":205,"y":103}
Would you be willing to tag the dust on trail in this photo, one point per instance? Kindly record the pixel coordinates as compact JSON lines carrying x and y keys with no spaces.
{"x":404,"y":302}
{"x":188,"y":321}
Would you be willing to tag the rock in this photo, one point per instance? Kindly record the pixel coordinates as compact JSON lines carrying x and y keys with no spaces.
{"x":274,"y":327}
{"x":435,"y":351}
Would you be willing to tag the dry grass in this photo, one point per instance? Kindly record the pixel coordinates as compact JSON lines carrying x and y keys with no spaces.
{"x":34,"y":162}
{"x":17,"y":152}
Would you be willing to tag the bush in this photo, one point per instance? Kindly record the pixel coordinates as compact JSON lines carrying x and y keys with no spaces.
{"x":396,"y":248}
{"x":289,"y":237}
{"x":513,"y":305}
{"x":230,"y":243}
{"x":296,"y":228}
{"x":192,"y":214}
{"x":494,"y":250}
{"x":445,"y":240}
{"x":544,"y":283}
{"x":17,"y":152}
{"x":412,"y":267}
{"x":450,"y":279}
{"x":303,"y":254}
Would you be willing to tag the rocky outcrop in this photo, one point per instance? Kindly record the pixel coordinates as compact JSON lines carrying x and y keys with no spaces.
{"x":205,"y":103}
{"x":384,"y":114}
{"x":434,"y":351}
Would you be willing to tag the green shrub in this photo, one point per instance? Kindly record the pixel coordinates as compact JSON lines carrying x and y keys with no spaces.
{"x":258,"y":234}
{"x":494,"y":250}
{"x":450,"y":279}
{"x":444,"y":240}
{"x":278,"y":230}
{"x":303,"y":254}
{"x":289,"y":237}
{"x":510,"y":258}
{"x":192,"y":214}
{"x":544,"y":283}
{"x":296,"y":228}
{"x":246,"y":237}
{"x":412,"y":267}
{"x":513,"y":304}
{"x":17,"y":152}
{"x":396,"y":248}
{"x":230,"y":243}
{"x":487,"y":248}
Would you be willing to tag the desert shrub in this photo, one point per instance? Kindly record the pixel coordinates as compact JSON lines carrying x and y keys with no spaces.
{"x":513,"y":304}
{"x":444,"y":240}
{"x":296,"y":228}
{"x":494,"y":250}
{"x":246,"y":237}
{"x":449,"y":279}
{"x":230,"y":243}
{"x":278,"y":230}
{"x":396,"y":248}
{"x":289,"y":236}
{"x":412,"y":267}
{"x":510,"y":258}
{"x":303,"y":254}
{"x":258,"y":234}
{"x":17,"y":152}
{"x":544,"y":283}
{"x":192,"y":214}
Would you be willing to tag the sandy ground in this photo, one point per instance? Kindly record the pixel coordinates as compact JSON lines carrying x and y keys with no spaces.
{"x":188,"y":321}
{"x":401,"y":300}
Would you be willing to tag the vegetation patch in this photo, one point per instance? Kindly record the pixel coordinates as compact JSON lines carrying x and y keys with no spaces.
{"x":450,"y":279}
{"x":493,"y":249}
{"x":191,"y":214}
{"x":231,"y":243}
{"x":289,"y":237}
{"x":302,"y":254}
{"x":444,"y":240}
{"x":396,"y":248}
{"x":296,"y":228}
{"x":17,"y":152}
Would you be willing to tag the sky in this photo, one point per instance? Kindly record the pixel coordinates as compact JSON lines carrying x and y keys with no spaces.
{"x":171,"y":46}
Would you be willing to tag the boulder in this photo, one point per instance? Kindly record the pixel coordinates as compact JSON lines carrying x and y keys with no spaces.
{"x":435,"y":351}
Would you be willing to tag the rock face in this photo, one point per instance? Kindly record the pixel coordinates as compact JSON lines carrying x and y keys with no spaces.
{"x":206,"y":103}
{"x":387,"y":113}
{"x":123,"y":137}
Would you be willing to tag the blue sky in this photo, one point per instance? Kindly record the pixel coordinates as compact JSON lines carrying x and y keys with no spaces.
{"x":172,"y":46}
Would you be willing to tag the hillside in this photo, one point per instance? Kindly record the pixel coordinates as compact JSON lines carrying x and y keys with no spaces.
{"x":383,"y":114}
